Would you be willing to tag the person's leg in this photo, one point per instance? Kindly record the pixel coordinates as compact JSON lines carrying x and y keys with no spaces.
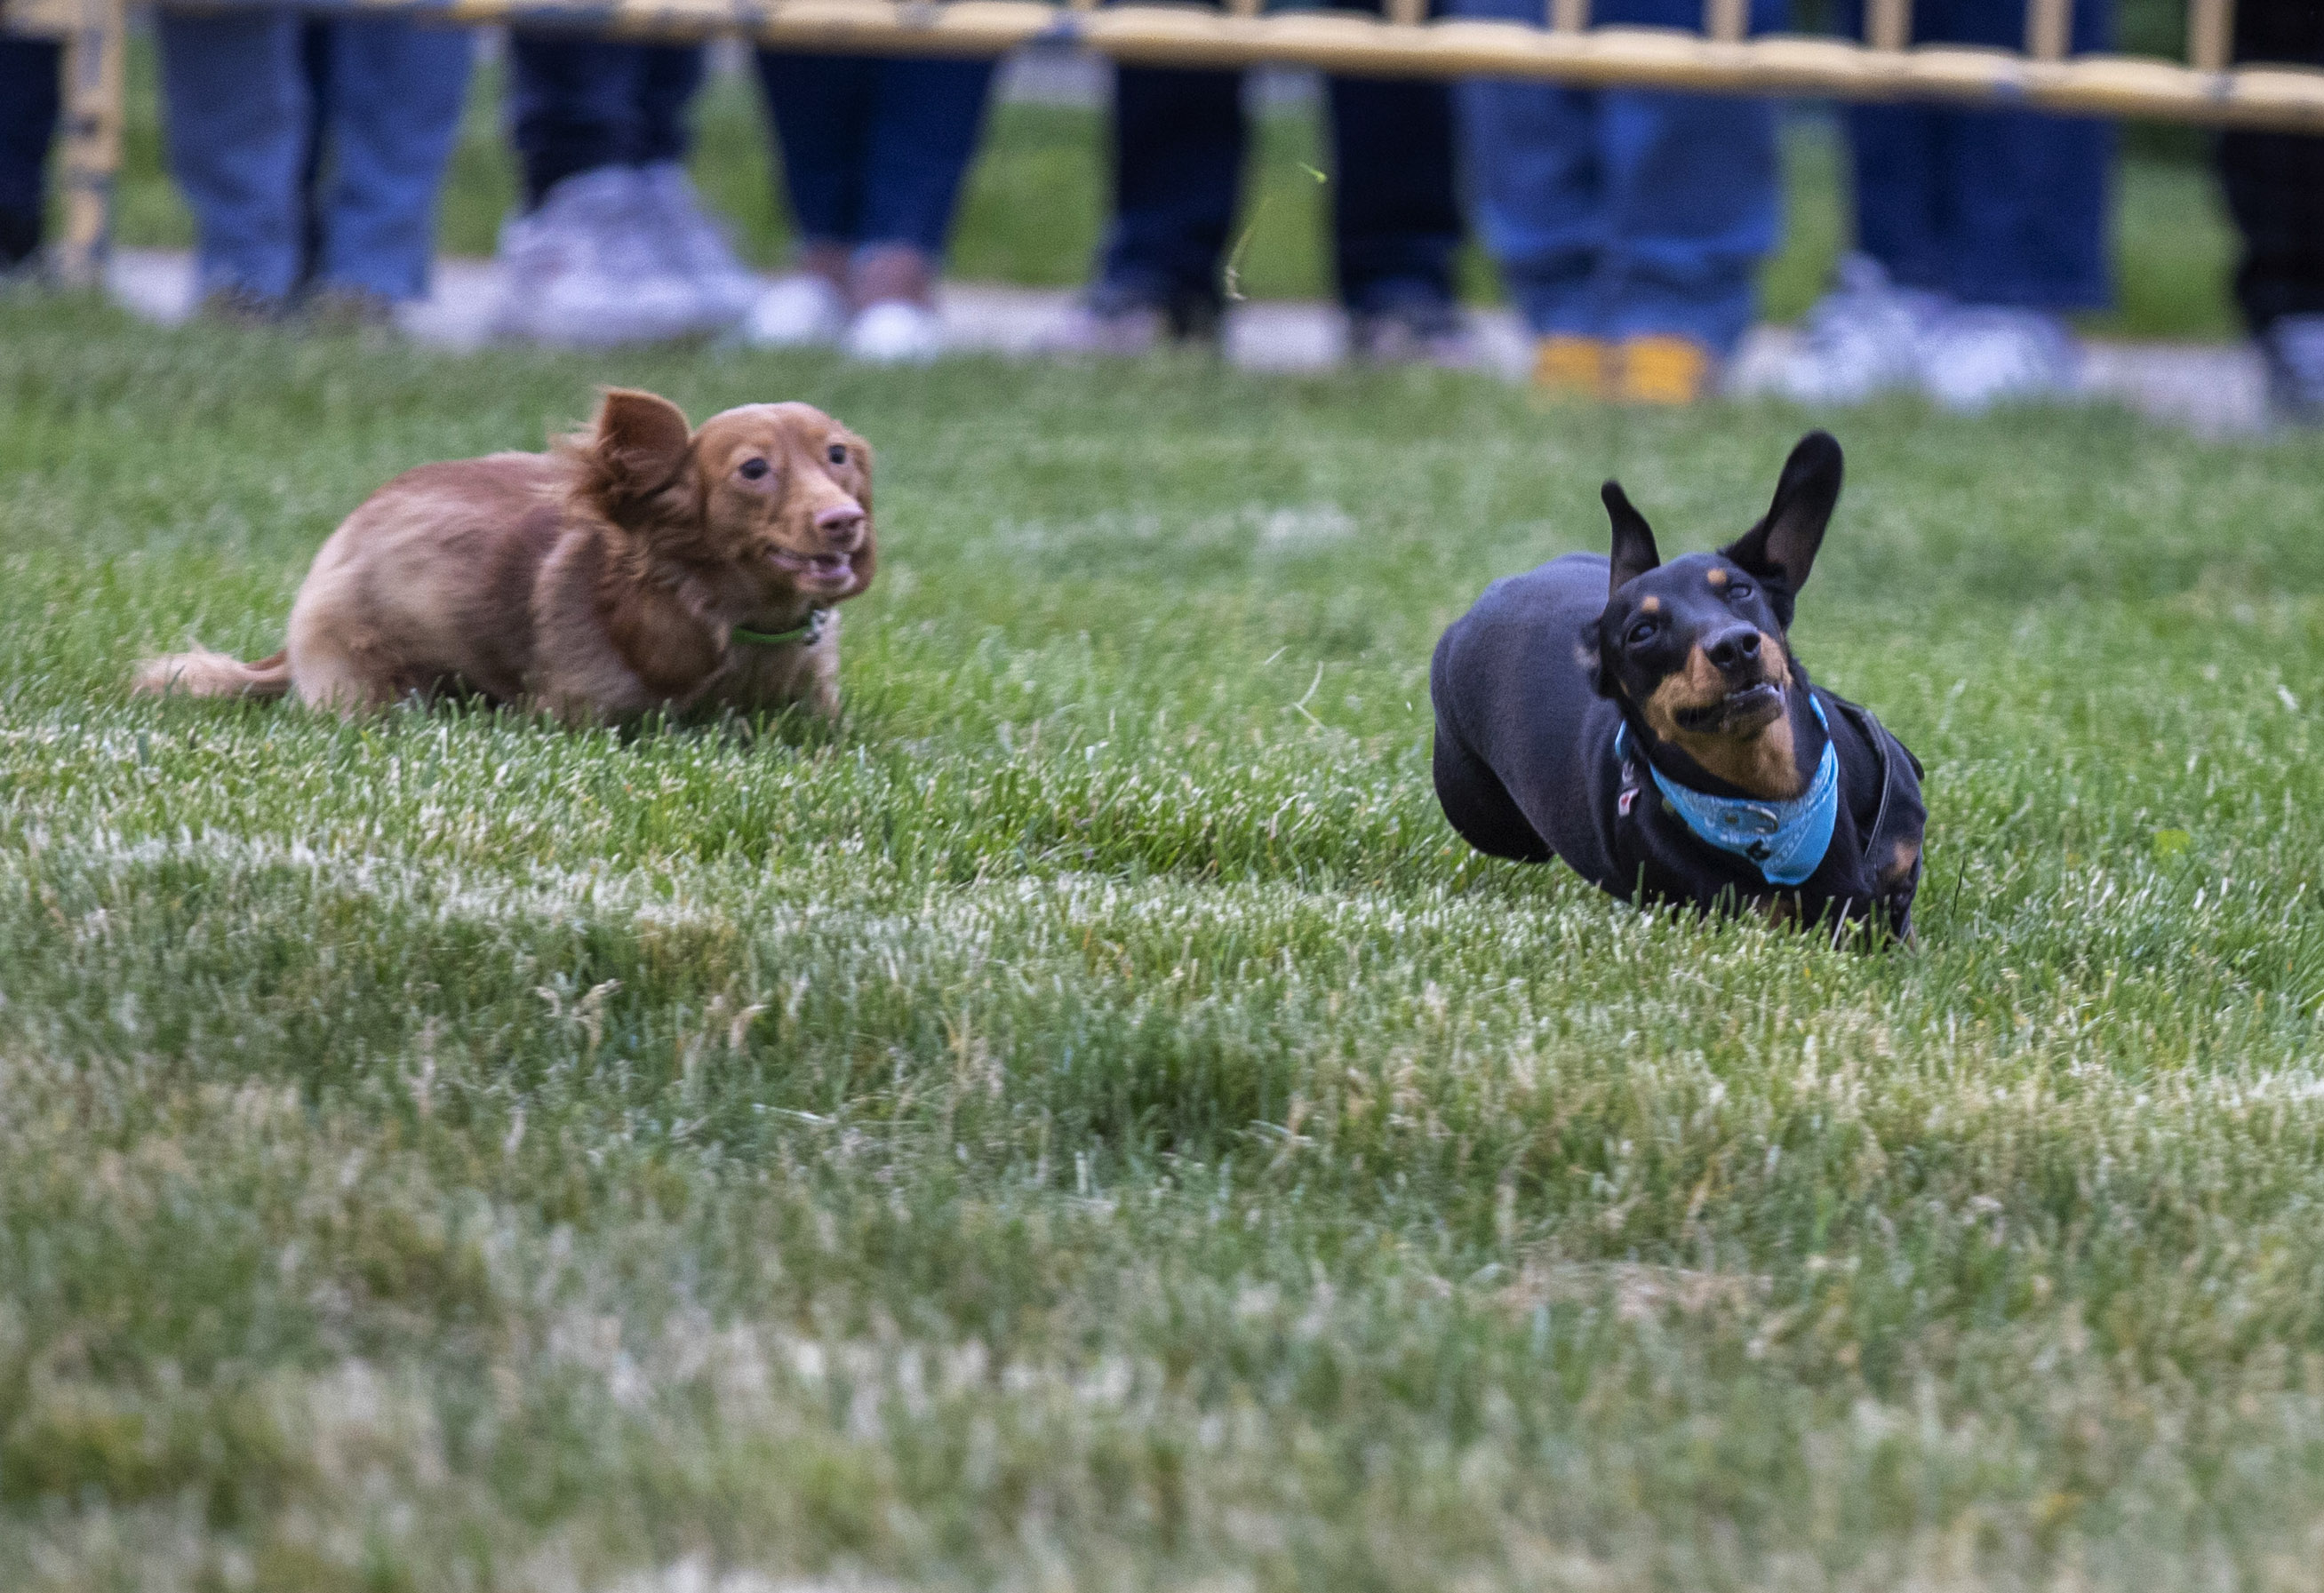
{"x":1178,"y":152}
{"x":820,"y":110}
{"x":1539,"y":194}
{"x":696,"y":245}
{"x":2274,"y":181}
{"x":2021,"y":199}
{"x":823,"y":108}
{"x":922,"y":130}
{"x":2028,"y":211}
{"x":1972,"y":228}
{"x":594,"y":257}
{"x":235,"y":105}
{"x":397,"y":92}
{"x":1396,"y":224}
{"x":2023,"y":226}
{"x":28,"y":122}
{"x":1694,"y":204}
{"x":1694,"y":207}
{"x":315,"y":37}
{"x":1894,"y":157}
{"x":573,"y":106}
{"x":2003,"y":208}
{"x":925,"y":118}
{"x":668,"y":78}
{"x":2274,"y":188}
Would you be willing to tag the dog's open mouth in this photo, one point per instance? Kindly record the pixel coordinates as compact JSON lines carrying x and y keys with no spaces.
{"x":815,"y":572}
{"x":1746,"y":708}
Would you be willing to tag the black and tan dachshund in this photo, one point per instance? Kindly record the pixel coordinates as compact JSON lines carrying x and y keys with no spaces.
{"x":1649,"y":723}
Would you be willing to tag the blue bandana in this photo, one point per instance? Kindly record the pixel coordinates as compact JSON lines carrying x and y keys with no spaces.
{"x":1784,"y":841}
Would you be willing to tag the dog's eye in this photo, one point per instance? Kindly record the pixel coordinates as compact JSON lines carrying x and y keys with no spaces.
{"x":754,"y":469}
{"x":1739,"y":589}
{"x":837,"y":453}
{"x":1641,"y":634}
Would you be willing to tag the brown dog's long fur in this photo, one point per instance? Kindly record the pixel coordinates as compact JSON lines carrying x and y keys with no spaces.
{"x":600,"y":581}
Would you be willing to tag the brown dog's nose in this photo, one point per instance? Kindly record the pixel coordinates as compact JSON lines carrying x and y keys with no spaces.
{"x":1734,"y":649}
{"x":841,"y":523}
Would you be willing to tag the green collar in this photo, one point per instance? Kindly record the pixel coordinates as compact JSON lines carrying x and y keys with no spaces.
{"x":805,"y":634}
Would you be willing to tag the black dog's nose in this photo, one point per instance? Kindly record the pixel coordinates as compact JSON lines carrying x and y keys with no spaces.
{"x":1733,"y":649}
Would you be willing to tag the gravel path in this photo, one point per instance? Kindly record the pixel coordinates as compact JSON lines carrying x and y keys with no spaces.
{"x":2214,"y":390}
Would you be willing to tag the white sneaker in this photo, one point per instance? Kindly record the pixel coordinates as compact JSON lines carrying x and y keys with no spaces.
{"x":1862,"y":339}
{"x":896,"y":332}
{"x":1975,"y":356}
{"x":699,"y":247}
{"x":585,"y":271}
{"x":797,"y":312}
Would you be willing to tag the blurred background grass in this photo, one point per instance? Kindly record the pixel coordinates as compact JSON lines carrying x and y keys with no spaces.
{"x":1037,"y":199}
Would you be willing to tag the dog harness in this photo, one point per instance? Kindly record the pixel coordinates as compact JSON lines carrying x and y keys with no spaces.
{"x":1784,"y":841}
{"x":806,"y":633}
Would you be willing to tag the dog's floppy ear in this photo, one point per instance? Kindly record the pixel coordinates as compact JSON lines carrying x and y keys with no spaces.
{"x":1633,"y":540}
{"x":863,"y":462}
{"x":1781,"y":549}
{"x":642,"y":443}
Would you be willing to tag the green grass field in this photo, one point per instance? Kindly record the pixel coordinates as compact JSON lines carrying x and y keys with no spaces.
{"x":1085,"y":1122}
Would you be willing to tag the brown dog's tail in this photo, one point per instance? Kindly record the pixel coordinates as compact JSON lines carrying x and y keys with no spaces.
{"x":205,"y":674}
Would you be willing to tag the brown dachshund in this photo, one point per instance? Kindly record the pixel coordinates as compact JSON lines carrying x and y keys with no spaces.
{"x":635,"y":567}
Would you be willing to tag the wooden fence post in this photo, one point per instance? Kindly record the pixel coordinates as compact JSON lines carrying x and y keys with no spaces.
{"x":2210,"y":35}
{"x":94,"y":53}
{"x":2048,"y":28}
{"x":1888,"y":25}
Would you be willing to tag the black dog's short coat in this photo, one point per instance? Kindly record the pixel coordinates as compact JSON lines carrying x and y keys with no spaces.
{"x":1531,"y":686}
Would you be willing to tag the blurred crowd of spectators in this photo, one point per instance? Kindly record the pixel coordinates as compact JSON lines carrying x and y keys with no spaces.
{"x":1628,"y":226}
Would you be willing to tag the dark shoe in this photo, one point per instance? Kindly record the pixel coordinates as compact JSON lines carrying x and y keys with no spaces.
{"x":1193,"y":318}
{"x":1415,"y":330}
{"x":20,"y":239}
{"x":2293,"y":348}
{"x":336,"y":309}
{"x":1114,"y":320}
{"x":240,"y":306}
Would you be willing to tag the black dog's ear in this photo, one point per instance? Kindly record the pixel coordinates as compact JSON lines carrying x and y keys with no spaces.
{"x":1633,"y":540}
{"x":1590,"y":652}
{"x":1781,"y":549}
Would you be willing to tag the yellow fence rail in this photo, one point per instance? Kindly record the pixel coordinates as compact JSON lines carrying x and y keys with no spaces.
{"x":2203,"y":89}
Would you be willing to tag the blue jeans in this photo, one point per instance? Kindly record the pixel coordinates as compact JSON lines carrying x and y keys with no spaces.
{"x":2005,"y":208}
{"x":874,"y":147}
{"x":577,"y":103}
{"x":28,"y":120}
{"x":237,"y":107}
{"x":1178,"y":159}
{"x":1621,"y":213}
